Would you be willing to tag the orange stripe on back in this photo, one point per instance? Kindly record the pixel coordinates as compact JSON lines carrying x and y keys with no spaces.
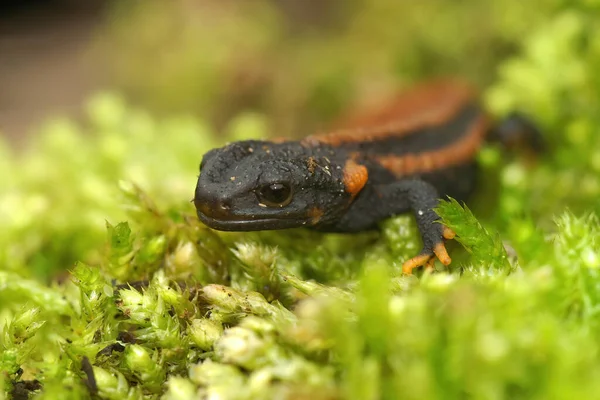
{"x":455,"y":154}
{"x":426,"y":105}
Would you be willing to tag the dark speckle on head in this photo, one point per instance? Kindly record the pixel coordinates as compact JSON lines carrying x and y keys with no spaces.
{"x":255,"y":185}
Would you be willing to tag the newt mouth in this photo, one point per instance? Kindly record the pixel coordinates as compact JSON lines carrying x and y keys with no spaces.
{"x":248,"y":224}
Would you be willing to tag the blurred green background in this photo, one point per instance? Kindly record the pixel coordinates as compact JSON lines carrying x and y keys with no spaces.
{"x":300,"y":63}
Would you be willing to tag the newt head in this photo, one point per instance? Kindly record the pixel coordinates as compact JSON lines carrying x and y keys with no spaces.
{"x":255,"y":185}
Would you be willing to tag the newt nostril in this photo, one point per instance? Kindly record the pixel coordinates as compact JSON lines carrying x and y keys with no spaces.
{"x":223,"y":206}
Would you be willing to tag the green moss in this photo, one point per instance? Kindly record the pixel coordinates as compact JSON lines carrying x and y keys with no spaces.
{"x":488,"y":251}
{"x":103,"y":259}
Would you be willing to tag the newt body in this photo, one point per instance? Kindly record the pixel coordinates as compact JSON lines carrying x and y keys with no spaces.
{"x":401,"y":157}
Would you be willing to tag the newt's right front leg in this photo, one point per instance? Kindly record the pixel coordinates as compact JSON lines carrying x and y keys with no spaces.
{"x":420,"y":197}
{"x":378,"y":202}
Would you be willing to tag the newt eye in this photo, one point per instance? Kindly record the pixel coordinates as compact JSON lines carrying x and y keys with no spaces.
{"x":275,"y":195}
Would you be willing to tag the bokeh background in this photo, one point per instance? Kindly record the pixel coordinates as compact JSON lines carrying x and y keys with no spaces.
{"x":299,"y":62}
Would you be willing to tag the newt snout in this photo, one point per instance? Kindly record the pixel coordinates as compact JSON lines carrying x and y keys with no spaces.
{"x":211,"y":204}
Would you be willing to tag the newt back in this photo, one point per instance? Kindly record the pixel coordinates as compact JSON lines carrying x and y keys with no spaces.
{"x":432,"y":127}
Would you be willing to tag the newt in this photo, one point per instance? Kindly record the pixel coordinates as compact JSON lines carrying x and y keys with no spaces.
{"x":401,"y":157}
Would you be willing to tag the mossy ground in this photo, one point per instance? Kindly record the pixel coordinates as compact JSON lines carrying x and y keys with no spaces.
{"x":110,"y":288}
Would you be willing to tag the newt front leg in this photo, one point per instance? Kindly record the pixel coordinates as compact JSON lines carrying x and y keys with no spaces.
{"x":421,"y":198}
{"x":378,"y":202}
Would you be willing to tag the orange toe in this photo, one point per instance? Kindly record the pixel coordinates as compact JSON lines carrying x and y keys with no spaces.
{"x":448,"y":233}
{"x":415,"y":262}
{"x":442,"y":254}
{"x":430,"y":264}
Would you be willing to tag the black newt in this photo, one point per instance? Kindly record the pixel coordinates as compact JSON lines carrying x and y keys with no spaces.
{"x":400,"y":157}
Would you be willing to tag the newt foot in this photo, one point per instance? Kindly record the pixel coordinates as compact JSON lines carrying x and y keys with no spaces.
{"x":427,"y":260}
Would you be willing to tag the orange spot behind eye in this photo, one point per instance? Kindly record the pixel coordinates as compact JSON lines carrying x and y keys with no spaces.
{"x":355,"y":177}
